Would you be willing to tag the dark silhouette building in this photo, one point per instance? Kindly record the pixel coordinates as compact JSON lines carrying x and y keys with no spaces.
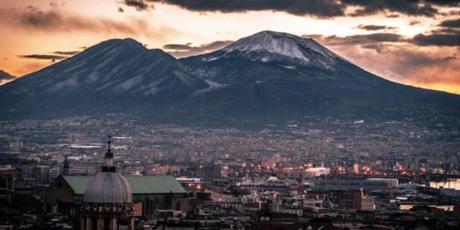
{"x":108,"y":199}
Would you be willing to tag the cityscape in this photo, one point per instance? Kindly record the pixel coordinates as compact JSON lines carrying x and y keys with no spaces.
{"x":298,"y":174}
{"x":230,"y":114}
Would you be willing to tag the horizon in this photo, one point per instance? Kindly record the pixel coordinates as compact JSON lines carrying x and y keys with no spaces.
{"x":412,"y":43}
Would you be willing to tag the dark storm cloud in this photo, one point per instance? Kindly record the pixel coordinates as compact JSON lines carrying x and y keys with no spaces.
{"x":66,"y":52}
{"x":43,"y":56}
{"x":53,"y":20}
{"x":187,"y":46}
{"x":376,"y":37}
{"x":319,"y":8}
{"x":138,"y":4}
{"x":358,"y":39}
{"x":184,"y":50}
{"x":58,"y":21}
{"x":40,"y":19}
{"x":447,"y":34}
{"x":56,"y":55}
{"x":375,"y":27}
{"x":455,"y":23}
{"x":408,"y":7}
{"x":392,"y":15}
{"x":438,"y":39}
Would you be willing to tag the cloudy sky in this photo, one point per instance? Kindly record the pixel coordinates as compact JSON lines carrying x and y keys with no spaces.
{"x":414,"y":42}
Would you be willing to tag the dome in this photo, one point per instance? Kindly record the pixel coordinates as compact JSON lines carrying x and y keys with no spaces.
{"x":108,"y":187}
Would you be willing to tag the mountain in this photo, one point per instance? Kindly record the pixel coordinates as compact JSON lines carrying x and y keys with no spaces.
{"x":5,"y":77}
{"x":111,"y":76}
{"x":267,"y":76}
{"x":283,"y":74}
{"x":268,"y":46}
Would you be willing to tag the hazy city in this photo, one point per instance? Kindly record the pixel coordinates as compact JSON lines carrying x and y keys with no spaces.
{"x":294,"y":168}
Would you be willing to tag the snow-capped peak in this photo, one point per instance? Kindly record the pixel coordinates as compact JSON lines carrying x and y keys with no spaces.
{"x":287,"y":45}
{"x":268,"y":41}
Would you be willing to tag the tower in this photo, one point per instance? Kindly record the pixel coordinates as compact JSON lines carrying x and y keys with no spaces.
{"x":108,"y":202}
{"x":65,"y":168}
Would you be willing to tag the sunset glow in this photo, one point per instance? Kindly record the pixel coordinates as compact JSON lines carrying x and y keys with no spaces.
{"x":419,"y":48}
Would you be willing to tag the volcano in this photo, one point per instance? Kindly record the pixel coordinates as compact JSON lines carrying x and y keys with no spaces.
{"x":269,"y":75}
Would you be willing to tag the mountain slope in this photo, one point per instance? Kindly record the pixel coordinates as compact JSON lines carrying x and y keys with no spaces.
{"x":5,"y":77}
{"x":111,"y":75}
{"x":271,"y":72}
{"x":268,"y":76}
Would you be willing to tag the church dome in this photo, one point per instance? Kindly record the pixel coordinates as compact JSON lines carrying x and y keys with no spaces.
{"x":108,"y":187}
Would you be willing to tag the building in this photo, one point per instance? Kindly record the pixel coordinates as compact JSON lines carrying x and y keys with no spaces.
{"x":9,"y":158}
{"x":153,"y":192}
{"x":352,"y":200}
{"x":210,"y":172}
{"x":348,"y":199}
{"x":65,"y":167}
{"x":7,"y":179}
{"x":149,"y":194}
{"x":354,"y":184}
{"x":317,"y":171}
{"x":41,"y":173}
{"x":108,"y":200}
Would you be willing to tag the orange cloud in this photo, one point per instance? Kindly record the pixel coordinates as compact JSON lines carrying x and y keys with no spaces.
{"x":59,"y":21}
{"x":427,"y":67}
{"x":30,"y":67}
{"x":185,"y":50}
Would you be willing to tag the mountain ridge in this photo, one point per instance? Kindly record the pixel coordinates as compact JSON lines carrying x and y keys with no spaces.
{"x":279,"y":43}
{"x":268,"y":74}
{"x":116,"y":73}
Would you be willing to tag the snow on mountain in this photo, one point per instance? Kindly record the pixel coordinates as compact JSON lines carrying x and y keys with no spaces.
{"x":267,"y":41}
{"x":112,"y":67}
{"x":117,"y":72}
{"x":270,"y":74}
{"x":211,"y":86}
{"x":267,"y":46}
{"x":271,"y":55}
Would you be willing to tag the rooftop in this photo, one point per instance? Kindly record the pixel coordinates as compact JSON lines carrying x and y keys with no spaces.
{"x":139,"y":184}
